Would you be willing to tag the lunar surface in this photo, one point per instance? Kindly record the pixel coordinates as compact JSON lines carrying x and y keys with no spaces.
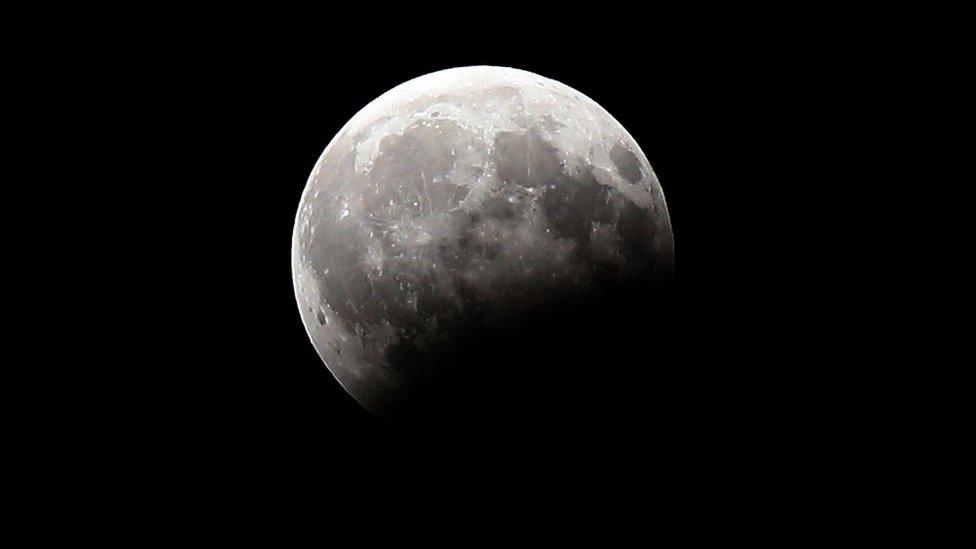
{"x":452,"y":210}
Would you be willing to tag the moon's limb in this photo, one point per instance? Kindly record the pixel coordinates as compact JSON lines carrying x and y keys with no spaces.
{"x":466,"y":194}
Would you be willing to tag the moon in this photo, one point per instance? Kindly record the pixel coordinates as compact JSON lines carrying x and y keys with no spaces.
{"x":453,"y":208}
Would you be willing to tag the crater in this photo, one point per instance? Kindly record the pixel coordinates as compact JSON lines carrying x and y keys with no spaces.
{"x":626,"y":162}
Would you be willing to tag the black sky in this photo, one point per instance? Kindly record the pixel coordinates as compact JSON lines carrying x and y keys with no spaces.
{"x":236,"y":116}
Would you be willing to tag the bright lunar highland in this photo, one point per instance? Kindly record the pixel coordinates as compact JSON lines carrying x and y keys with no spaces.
{"x":459,"y":202}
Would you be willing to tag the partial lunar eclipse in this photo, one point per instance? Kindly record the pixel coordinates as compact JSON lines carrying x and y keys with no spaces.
{"x":459,"y":200}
